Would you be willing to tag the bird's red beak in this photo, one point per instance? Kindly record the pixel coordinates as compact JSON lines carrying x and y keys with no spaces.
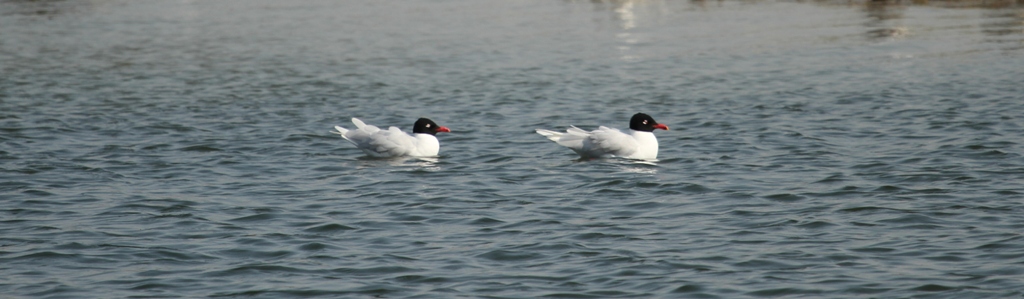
{"x":443,"y":129}
{"x":661,"y":126}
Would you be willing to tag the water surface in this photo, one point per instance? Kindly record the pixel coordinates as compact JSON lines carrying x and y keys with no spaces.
{"x":153,"y":149}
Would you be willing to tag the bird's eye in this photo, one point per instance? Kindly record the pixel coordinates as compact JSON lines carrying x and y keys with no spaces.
{"x":645,"y":122}
{"x":428,"y":126}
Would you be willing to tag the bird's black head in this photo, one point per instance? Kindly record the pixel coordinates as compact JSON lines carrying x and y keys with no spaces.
{"x":645,"y":123}
{"x":427,"y":126}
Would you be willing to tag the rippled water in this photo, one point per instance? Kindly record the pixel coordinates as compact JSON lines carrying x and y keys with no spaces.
{"x":839,"y":149}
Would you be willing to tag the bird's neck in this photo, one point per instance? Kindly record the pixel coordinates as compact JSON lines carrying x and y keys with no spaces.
{"x":427,"y":144}
{"x":648,"y":144}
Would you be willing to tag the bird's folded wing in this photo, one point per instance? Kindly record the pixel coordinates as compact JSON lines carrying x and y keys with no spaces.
{"x":612,"y":141}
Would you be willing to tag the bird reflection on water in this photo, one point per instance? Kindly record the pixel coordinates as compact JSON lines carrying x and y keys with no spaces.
{"x":423,"y":163}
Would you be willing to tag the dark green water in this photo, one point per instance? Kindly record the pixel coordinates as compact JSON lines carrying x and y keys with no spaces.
{"x":166,"y":149}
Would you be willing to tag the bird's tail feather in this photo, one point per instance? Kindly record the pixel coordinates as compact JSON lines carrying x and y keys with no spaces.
{"x":359,"y":124}
{"x":570,"y":138}
{"x":554,"y":136}
{"x":341,"y":131}
{"x":573,"y":130}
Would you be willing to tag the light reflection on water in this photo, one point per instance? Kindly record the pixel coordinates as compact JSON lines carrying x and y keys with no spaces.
{"x":884,"y":20}
{"x":421,"y":163}
{"x":640,"y":167}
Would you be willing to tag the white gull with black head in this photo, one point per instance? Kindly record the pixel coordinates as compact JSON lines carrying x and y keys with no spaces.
{"x":638,"y":143}
{"x":393,"y":142}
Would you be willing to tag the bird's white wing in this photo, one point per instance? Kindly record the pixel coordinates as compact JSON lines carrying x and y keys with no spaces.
{"x":391,"y":143}
{"x":572,"y":138}
{"x":380,"y":143}
{"x":360,"y":125}
{"x":359,"y":135}
{"x":609,"y":141}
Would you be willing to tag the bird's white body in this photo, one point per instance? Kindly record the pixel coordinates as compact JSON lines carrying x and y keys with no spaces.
{"x":389,"y":143}
{"x":605,"y":142}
